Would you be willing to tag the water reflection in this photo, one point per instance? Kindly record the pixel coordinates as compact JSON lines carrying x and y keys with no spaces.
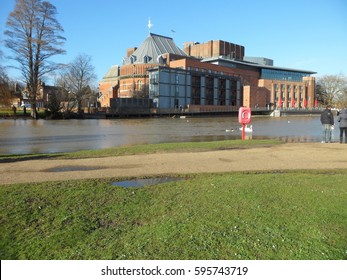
{"x":145,"y":182}
{"x":41,"y":136}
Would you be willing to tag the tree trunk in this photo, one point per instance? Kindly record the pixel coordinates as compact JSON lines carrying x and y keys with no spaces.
{"x":34,"y":112}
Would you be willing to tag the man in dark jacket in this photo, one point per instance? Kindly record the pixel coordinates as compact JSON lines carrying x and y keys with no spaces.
{"x":342,"y":119}
{"x":327,"y":120}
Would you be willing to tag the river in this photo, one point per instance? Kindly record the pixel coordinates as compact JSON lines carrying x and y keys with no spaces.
{"x":23,"y":136}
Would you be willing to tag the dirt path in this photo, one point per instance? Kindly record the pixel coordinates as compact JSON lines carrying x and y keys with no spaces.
{"x":279,"y":157}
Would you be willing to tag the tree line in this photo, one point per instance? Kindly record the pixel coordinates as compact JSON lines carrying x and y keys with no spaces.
{"x":332,"y":90}
{"x":34,"y":36}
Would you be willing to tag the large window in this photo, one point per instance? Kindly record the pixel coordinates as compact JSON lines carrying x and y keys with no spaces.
{"x":233,"y":92}
{"x":273,"y":74}
{"x":221,"y":91}
{"x":196,"y":90}
{"x":209,"y":87}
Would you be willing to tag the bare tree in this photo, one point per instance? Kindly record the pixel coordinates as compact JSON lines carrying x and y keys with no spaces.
{"x":79,"y":78}
{"x":5,"y":93}
{"x":332,"y":90}
{"x":34,"y":36}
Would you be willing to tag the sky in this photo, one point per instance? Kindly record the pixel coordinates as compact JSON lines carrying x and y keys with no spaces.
{"x":300,"y":34}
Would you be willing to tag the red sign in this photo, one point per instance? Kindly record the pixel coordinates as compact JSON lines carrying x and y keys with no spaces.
{"x":280,"y":102}
{"x":293,"y":103}
{"x":245,"y":115}
{"x":316,"y":103}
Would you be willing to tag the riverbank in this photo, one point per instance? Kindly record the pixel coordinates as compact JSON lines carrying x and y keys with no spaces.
{"x":109,"y":114}
{"x":287,"y":202}
{"x":288,"y":156}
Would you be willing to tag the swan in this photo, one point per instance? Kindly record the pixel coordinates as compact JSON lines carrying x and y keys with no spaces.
{"x":248,"y":128}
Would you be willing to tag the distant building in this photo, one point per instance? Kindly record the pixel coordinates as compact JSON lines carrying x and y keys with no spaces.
{"x":211,"y":76}
{"x":42,"y":97}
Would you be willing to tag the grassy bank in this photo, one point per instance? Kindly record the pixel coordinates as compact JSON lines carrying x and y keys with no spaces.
{"x":276,"y":215}
{"x":149,"y":149}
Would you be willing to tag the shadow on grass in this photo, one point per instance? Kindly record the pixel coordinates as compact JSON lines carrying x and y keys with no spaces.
{"x":16,"y":158}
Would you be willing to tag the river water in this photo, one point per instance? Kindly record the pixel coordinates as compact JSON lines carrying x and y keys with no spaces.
{"x":23,"y":136}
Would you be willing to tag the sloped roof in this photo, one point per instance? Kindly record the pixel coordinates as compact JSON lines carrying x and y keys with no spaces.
{"x":154,"y":46}
{"x":112,"y":73}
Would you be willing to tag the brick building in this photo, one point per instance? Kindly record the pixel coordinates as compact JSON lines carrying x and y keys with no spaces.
{"x":215,"y":75}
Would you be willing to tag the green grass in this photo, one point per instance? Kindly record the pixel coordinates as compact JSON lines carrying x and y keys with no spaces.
{"x":9,"y":111}
{"x":173,"y":147}
{"x":149,"y":149}
{"x":275,"y":215}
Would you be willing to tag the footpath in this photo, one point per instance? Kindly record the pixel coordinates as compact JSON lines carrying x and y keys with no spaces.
{"x":288,"y":156}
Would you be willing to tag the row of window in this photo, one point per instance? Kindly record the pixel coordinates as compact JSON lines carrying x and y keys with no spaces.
{"x":288,"y":97}
{"x":138,"y":85}
{"x":289,"y":88}
{"x":273,"y":74}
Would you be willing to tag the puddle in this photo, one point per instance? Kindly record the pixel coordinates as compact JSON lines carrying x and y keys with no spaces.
{"x":71,"y":168}
{"x":145,"y":182}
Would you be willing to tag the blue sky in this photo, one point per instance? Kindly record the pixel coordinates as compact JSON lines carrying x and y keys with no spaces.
{"x":306,"y":34}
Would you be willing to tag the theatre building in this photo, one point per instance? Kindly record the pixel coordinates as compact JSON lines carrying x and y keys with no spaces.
{"x":203,"y":77}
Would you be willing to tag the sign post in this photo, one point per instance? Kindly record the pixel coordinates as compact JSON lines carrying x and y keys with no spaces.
{"x":244,"y":118}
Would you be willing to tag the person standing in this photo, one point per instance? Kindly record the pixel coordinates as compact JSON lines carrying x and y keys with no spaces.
{"x":342,"y":119}
{"x":327,"y":120}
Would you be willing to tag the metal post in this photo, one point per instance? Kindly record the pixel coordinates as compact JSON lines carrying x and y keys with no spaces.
{"x":243,"y":131}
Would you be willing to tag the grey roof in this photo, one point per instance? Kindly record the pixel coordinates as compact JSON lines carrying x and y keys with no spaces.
{"x":112,"y":73}
{"x":150,"y":50}
{"x":228,"y":62}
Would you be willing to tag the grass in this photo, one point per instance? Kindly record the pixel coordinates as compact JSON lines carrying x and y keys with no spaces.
{"x":148,"y":149}
{"x":9,"y":111}
{"x":270,"y":215}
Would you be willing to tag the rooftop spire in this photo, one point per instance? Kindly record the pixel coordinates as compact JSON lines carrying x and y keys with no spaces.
{"x":149,"y":25}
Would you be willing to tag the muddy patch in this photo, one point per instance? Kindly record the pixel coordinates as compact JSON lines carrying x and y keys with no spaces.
{"x":69,"y":168}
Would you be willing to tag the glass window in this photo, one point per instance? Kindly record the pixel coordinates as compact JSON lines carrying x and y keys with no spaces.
{"x":139,"y":84}
{"x":274,"y":74}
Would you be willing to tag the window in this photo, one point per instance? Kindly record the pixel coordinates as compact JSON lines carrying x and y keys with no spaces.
{"x":145,"y":59}
{"x":276,"y":74}
{"x":139,"y":85}
{"x":132,"y":59}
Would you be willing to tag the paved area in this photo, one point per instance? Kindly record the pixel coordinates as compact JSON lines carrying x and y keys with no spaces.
{"x":278,"y":157}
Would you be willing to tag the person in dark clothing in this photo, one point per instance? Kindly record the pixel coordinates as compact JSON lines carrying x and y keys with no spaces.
{"x":342,"y":119}
{"x":327,"y":120}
